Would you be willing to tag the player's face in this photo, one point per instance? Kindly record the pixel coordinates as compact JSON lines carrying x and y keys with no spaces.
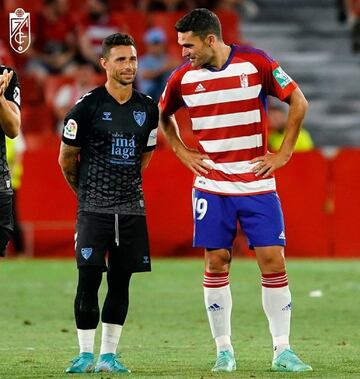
{"x":121,"y":64}
{"x":195,"y":49}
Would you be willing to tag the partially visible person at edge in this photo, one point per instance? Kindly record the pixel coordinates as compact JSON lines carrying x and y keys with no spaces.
{"x":277,"y":117}
{"x":9,"y":126}
{"x":108,"y":139}
{"x":225,"y":89}
{"x":15,"y":149}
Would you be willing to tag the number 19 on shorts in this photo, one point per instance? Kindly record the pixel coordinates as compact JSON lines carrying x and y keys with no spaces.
{"x":200,"y":207}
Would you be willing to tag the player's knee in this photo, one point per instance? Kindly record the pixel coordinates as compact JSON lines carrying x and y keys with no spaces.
{"x":217,"y":260}
{"x":272,"y":264}
{"x":87,"y":291}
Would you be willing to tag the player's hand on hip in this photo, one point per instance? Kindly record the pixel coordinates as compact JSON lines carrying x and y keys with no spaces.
{"x":5,"y":80}
{"x":194,"y":160}
{"x":267,"y":164}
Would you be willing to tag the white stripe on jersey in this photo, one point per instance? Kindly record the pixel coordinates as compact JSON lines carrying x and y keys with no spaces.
{"x":226,"y":187}
{"x":235,"y":69}
{"x":241,"y":167}
{"x":226,"y":120}
{"x":222,"y":96}
{"x":231,"y":144}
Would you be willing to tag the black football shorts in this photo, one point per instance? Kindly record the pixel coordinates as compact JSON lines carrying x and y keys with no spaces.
{"x":109,"y":240}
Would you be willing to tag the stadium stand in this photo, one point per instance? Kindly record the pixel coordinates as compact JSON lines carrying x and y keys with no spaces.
{"x":307,"y":39}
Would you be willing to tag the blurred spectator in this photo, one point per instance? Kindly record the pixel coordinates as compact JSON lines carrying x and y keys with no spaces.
{"x":68,"y":94}
{"x":96,"y":25}
{"x":54,"y":41}
{"x":166,"y":5}
{"x":277,"y":117}
{"x":341,"y":10}
{"x":15,"y":149}
{"x":155,"y":65}
{"x":5,"y":56}
{"x":352,"y":11}
{"x":354,"y":18}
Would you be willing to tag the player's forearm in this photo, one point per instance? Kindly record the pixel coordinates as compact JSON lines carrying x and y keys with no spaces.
{"x":9,"y":119}
{"x":297,"y":112}
{"x":69,"y":163}
{"x":71,"y":175}
{"x":171,"y":132}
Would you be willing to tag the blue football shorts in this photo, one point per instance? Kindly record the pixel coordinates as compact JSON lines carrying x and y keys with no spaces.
{"x":216,"y":216}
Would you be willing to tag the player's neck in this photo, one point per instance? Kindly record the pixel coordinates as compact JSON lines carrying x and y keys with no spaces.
{"x":121,"y":93}
{"x":221,"y":56}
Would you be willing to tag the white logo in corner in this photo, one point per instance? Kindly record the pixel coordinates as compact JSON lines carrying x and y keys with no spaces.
{"x":19,"y":28}
{"x":282,"y":235}
{"x":70,"y":129}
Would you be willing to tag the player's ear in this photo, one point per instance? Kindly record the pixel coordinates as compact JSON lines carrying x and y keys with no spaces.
{"x":103,"y":63}
{"x":210,"y":40}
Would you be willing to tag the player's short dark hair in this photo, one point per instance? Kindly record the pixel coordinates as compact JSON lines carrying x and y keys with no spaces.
{"x":117,"y":39}
{"x":200,"y":21}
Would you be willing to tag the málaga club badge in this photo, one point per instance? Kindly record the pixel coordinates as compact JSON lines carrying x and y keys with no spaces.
{"x":19,"y":28}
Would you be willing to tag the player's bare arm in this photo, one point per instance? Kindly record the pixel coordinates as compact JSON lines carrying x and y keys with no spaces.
{"x":69,"y":163}
{"x":269,"y":162}
{"x":9,"y":113}
{"x":191,"y":158}
{"x":145,"y":160}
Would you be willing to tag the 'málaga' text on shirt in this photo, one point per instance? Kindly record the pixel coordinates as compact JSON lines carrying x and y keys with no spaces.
{"x":123,"y":149}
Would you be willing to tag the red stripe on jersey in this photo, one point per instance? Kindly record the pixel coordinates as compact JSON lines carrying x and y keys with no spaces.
{"x":221,"y":176}
{"x":228,"y":132}
{"x":236,"y":155}
{"x":219,"y":84}
{"x":225,"y":108}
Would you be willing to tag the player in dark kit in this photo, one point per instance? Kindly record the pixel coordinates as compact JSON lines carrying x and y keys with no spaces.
{"x":9,"y":126}
{"x":108,"y":139}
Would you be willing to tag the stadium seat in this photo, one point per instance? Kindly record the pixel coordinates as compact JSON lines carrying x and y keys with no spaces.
{"x":37,"y":119}
{"x":28,"y":6}
{"x":166,"y":21}
{"x":230,"y":22}
{"x":53,"y":83}
{"x":134,"y":23}
{"x":31,"y":91}
{"x":4,"y":26}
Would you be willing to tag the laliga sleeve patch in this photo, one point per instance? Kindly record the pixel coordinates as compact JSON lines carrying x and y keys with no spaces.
{"x":152,"y":138}
{"x":70,"y":129}
{"x":281,"y":77}
{"x":16,"y":95}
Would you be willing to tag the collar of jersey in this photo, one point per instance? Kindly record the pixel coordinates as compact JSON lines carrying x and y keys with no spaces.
{"x":223,"y":67}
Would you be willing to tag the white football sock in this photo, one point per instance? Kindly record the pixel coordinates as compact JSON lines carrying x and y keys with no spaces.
{"x":86,"y":339}
{"x":110,"y":337}
{"x":218,"y":303}
{"x":276,"y":300}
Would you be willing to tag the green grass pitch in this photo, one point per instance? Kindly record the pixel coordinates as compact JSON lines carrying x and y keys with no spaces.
{"x":166,"y":334}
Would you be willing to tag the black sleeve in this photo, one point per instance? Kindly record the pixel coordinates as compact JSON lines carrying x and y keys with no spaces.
{"x":149,"y":142}
{"x":77,"y":122}
{"x":12,"y":93}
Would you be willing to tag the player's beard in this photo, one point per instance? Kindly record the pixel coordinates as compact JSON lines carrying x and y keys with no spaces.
{"x":120,"y":78}
{"x":199,"y":61}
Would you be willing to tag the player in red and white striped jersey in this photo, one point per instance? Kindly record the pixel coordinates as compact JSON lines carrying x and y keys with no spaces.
{"x":225,"y":89}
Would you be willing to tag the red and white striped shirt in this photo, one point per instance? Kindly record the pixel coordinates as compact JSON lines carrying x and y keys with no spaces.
{"x":227,"y":108}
